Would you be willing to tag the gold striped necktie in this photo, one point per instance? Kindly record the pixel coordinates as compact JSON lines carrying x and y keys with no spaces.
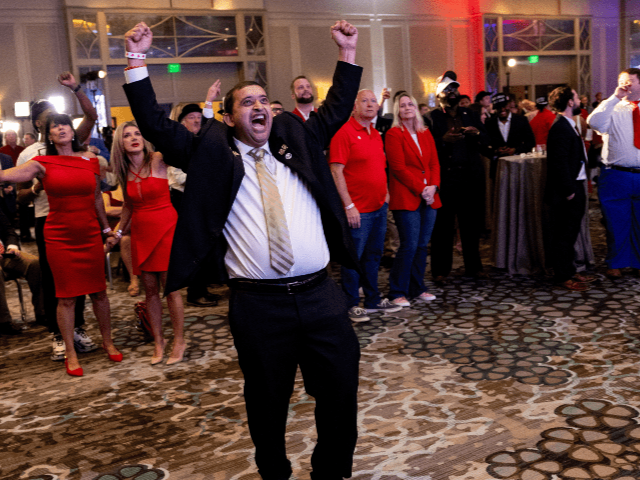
{"x":279,"y":241}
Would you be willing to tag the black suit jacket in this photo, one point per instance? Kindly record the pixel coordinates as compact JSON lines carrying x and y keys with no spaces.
{"x":382,"y":125}
{"x":520,"y":134}
{"x":215,"y":171}
{"x":565,"y":154}
{"x":472,"y":146}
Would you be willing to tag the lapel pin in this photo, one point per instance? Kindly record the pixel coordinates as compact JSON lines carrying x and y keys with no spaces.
{"x":283,"y":149}
{"x":288,"y":156}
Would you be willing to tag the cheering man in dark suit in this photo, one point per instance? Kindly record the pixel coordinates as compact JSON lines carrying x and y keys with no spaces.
{"x":564,"y":189}
{"x":272,"y":246}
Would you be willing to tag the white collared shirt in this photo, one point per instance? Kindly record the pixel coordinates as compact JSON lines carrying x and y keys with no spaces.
{"x":246,"y":230}
{"x":614,"y":121}
{"x":583,"y":172}
{"x":41,"y":201}
{"x":505,"y":127}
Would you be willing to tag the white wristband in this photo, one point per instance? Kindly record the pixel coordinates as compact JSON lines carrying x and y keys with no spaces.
{"x":139,"y":56}
{"x":350,"y":206}
{"x":106,"y":230}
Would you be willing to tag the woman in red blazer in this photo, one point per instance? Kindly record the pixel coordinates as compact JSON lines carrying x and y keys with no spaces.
{"x":414,"y":180}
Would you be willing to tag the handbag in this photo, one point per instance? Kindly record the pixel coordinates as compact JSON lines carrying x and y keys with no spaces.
{"x":143,"y":325}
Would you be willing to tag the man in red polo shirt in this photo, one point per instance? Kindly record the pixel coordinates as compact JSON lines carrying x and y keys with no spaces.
{"x":358,"y":162}
{"x":541,"y":123}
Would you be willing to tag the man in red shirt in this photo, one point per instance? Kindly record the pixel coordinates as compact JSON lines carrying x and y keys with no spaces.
{"x":11,"y":146}
{"x":358,"y":163}
{"x":541,"y":123}
{"x":302,"y":93}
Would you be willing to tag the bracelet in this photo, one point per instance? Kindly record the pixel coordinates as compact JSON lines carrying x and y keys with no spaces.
{"x":106,"y":230}
{"x":137,"y":66}
{"x":118,"y":234}
{"x":139,"y":56}
{"x":349,"y":207}
{"x":78,"y":87}
{"x":33,"y":190}
{"x":208,"y":104}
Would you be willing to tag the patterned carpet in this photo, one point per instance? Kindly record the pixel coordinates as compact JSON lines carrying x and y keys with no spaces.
{"x":509,"y":378}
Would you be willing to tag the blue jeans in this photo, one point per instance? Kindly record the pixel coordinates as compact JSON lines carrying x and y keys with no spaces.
{"x":414,"y":228}
{"x":619,"y":194}
{"x":369,"y":243}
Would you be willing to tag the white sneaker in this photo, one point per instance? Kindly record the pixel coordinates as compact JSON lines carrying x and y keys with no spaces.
{"x":426,"y":297}
{"x":401,"y":302}
{"x":385,"y":306}
{"x":82,"y":342}
{"x":58,"y":348}
{"x":357,"y":314}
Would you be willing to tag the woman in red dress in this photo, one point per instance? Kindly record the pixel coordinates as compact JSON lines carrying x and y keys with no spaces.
{"x":150,"y":215}
{"x":71,"y":178}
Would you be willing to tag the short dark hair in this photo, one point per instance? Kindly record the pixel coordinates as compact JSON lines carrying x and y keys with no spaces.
{"x":276,"y":101}
{"x":36,"y":110}
{"x":229,"y":100}
{"x":631,"y":71}
{"x":400,"y":92}
{"x":294,"y":81}
{"x":420,"y":105}
{"x":465,"y":96}
{"x":60,"y":119}
{"x":480,"y":95}
{"x":32,"y":135}
{"x":559,"y":98}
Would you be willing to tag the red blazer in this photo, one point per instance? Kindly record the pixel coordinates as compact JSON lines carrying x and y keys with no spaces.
{"x":408,"y":168}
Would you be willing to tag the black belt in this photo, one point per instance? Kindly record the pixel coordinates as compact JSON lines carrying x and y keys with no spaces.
{"x":622,"y":169}
{"x":289,"y":285}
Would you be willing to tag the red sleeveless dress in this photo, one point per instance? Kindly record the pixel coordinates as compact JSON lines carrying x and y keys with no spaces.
{"x":72,"y":230}
{"x":153,"y":223}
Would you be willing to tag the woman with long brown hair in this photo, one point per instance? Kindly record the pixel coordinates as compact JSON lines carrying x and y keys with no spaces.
{"x":150,"y":216}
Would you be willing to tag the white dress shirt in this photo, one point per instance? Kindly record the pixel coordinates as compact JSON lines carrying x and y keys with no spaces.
{"x":246,"y":228}
{"x":614,"y":121}
{"x":505,"y":127}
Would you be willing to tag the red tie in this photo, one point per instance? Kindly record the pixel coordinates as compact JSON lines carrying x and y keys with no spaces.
{"x":636,"y":125}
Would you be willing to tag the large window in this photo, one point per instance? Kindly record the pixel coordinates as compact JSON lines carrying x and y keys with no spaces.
{"x":536,"y":38}
{"x":186,"y":39}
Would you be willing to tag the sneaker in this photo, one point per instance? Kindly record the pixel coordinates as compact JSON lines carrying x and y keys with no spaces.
{"x":58,"y":348}
{"x":385,"y":306}
{"x":82,"y":342}
{"x":357,"y":314}
{"x":426,"y":297}
{"x":401,"y":302}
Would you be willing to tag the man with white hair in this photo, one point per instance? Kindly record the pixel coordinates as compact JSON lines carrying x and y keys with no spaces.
{"x":358,"y":165}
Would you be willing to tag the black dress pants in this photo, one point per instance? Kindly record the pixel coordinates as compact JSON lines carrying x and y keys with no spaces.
{"x":49,"y":288}
{"x":276,"y":333}
{"x":566,"y":218}
{"x":462,"y":198}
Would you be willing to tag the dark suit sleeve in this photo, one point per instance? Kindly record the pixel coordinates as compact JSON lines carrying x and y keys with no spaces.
{"x":338,"y":105}
{"x":560,"y":171}
{"x":526,"y":140}
{"x":171,"y":138}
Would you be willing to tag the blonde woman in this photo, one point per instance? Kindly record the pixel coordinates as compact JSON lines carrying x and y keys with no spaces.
{"x":148,"y":213}
{"x":414,"y":179}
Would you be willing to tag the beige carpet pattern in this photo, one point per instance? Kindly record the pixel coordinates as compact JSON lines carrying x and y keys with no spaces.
{"x":509,"y":378}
